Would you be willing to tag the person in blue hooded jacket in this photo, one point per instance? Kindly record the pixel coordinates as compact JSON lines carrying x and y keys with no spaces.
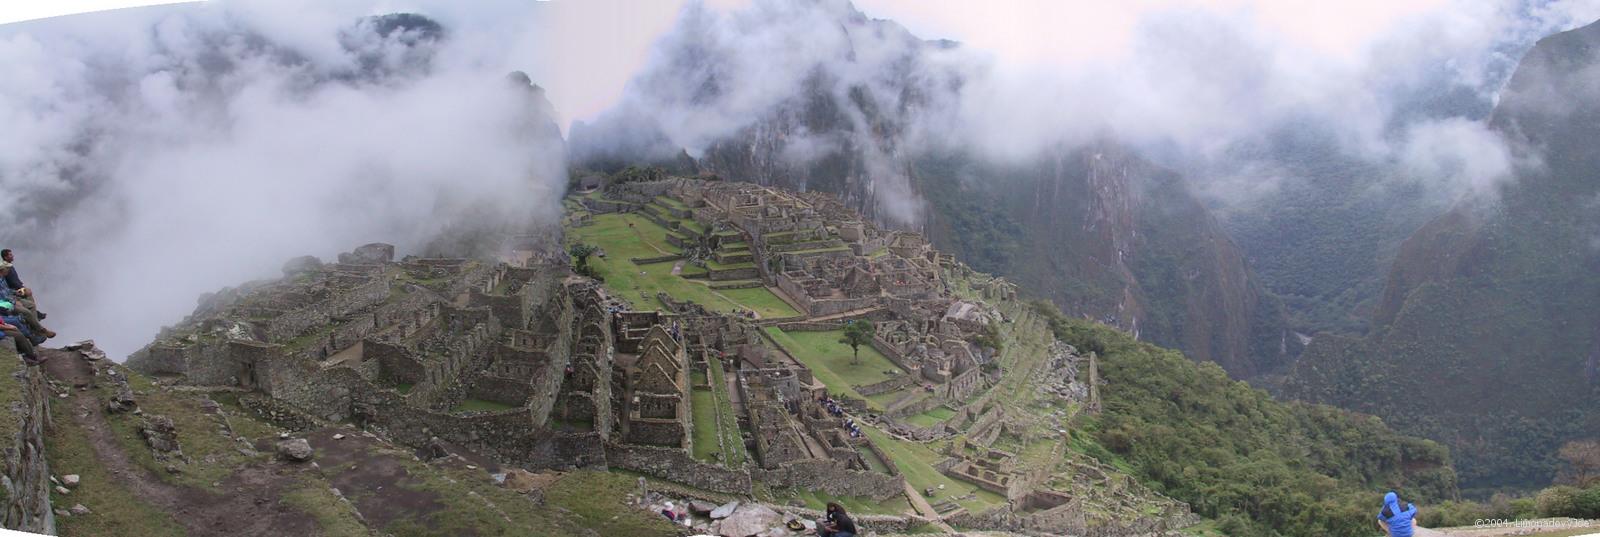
{"x":1394,"y":520}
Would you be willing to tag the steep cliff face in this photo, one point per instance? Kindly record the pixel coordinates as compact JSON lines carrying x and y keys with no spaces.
{"x":1108,"y":235}
{"x":863,"y":109}
{"x":1486,"y":331}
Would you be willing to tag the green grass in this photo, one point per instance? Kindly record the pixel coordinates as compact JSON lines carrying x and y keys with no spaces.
{"x":403,"y":388}
{"x":729,"y":426}
{"x":596,"y":500}
{"x":671,"y":202}
{"x":116,"y":511}
{"x":705,"y":425}
{"x":932,"y":417}
{"x":611,"y":232}
{"x":832,"y":362}
{"x":479,"y":405}
{"x":762,"y":301}
{"x":874,"y":463}
{"x":915,"y":462}
{"x":334,"y":516}
{"x":646,"y":239}
{"x":212,"y":456}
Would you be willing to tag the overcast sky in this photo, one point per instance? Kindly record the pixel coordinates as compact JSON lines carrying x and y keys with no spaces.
{"x":614,"y":35}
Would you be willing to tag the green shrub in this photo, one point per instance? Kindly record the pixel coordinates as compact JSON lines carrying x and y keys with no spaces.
{"x":1557,"y":501}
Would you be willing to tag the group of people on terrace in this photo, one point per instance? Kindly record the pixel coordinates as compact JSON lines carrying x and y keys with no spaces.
{"x":19,"y":312}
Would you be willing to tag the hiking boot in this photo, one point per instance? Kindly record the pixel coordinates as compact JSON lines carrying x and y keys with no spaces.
{"x":42,"y":315}
{"x":49,"y":334}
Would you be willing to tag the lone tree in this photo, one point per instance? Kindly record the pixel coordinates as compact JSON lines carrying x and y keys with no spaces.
{"x":580,"y":253}
{"x":1583,"y":461}
{"x":856,"y":333}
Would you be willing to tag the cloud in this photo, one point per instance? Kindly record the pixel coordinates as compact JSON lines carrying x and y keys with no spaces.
{"x":195,"y":149}
{"x":1462,"y":156}
{"x":1189,"y":82}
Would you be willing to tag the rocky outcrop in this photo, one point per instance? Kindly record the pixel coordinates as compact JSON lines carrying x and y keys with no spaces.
{"x":25,"y":485}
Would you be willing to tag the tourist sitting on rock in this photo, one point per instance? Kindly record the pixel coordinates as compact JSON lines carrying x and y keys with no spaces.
{"x":25,"y":317}
{"x":13,"y":281}
{"x":1395,"y":521}
{"x":21,"y":340}
{"x":837,"y":523}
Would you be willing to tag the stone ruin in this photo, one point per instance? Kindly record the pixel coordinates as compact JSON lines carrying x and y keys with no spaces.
{"x":520,"y":359}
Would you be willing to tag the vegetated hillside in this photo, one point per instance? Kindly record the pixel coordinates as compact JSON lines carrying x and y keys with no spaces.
{"x":1325,"y":234}
{"x":1259,"y":466}
{"x":1096,"y":228}
{"x":1485,"y":335}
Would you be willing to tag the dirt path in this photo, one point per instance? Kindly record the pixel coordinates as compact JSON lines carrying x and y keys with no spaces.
{"x":249,"y":507}
{"x":1528,"y":527}
{"x":374,"y":479}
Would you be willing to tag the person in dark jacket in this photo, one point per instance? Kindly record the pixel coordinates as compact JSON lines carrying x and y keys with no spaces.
{"x":837,"y":523}
{"x":1394,"y":520}
{"x":13,"y":281}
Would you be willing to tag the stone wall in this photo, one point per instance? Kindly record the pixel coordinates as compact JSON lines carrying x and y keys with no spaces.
{"x":342,"y":303}
{"x":889,"y":351}
{"x":746,"y":273}
{"x":832,"y":477}
{"x":874,"y":523}
{"x":26,"y":481}
{"x":738,"y":285}
{"x":657,"y":432}
{"x":499,"y":390}
{"x":898,"y":410}
{"x":887,"y":386}
{"x":396,"y":365}
{"x":677,"y":466}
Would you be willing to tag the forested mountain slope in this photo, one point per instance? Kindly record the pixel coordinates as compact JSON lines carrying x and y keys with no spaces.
{"x":1485,"y":335}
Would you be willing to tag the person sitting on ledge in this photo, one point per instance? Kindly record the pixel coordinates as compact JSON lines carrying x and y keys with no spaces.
{"x":25,"y":318}
{"x":837,"y":523}
{"x":1393,"y":520}
{"x":12,"y":304}
{"x":21,"y":340}
{"x":13,"y":281}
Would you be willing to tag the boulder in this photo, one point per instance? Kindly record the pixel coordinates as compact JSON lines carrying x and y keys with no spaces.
{"x":725,"y":511}
{"x":122,"y":395}
{"x":87,"y":350}
{"x":295,"y":450}
{"x":161,"y":435}
{"x":750,"y":519}
{"x":79,"y":510}
{"x":71,"y":480}
{"x":701,"y":508}
{"x":301,"y":265}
